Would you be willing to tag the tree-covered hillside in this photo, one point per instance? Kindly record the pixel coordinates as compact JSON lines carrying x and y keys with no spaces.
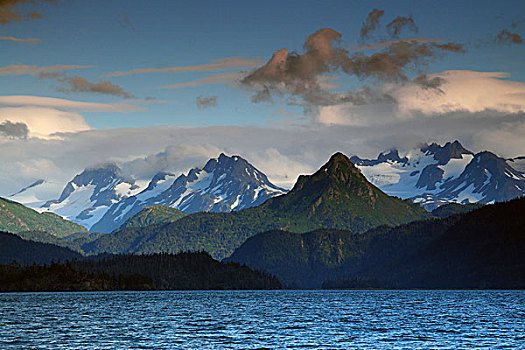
{"x":157,"y":214}
{"x":15,"y":217}
{"x":480,"y":249}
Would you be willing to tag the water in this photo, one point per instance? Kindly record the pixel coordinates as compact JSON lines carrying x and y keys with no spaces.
{"x":264,"y":319}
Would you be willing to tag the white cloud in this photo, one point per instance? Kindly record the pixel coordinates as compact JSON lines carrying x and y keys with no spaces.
{"x":44,"y":122}
{"x":464,"y":90}
{"x":282,"y":170}
{"x":461,"y":94}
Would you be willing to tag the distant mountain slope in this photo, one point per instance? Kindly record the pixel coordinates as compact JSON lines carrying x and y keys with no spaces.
{"x":36,"y":194}
{"x":336,"y":196}
{"x":434,"y":175}
{"x":74,"y":241}
{"x":154,"y":215}
{"x":15,"y":217}
{"x":480,"y":249}
{"x":14,"y":248}
{"x":222,"y":185}
{"x":450,"y":209}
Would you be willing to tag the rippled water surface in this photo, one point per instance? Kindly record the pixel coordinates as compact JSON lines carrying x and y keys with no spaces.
{"x":263,"y":319}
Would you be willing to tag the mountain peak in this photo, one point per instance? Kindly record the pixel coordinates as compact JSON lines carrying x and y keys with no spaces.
{"x":339,"y":189}
{"x":339,"y":170}
{"x":339,"y":164}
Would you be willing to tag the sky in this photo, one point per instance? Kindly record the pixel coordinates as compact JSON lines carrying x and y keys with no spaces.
{"x":165,"y":85}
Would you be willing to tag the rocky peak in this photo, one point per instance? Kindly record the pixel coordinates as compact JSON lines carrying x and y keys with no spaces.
{"x":443,"y":154}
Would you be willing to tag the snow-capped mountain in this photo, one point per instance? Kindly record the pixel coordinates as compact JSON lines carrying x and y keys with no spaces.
{"x":87,"y":197}
{"x":433,"y":175}
{"x":223,"y":184}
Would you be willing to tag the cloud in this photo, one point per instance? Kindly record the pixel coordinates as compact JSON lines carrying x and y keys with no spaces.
{"x":301,"y":74}
{"x":395,"y":27}
{"x":508,"y":136}
{"x":281,"y":153}
{"x":507,"y":38}
{"x":28,"y":40}
{"x":387,"y":43}
{"x":217,"y":65}
{"x":8,"y":12}
{"x":371,"y":22}
{"x":68,"y":105}
{"x":206,"y":101}
{"x":79,"y":84}
{"x":175,"y":159}
{"x":39,"y":122}
{"x":214,"y":79}
{"x":281,"y":169}
{"x":24,"y":69}
{"x":14,"y":130}
{"x":430,"y":96}
{"x":427,"y":82}
{"x":465,"y":90}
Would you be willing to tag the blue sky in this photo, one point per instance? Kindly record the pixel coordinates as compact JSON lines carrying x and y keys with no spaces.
{"x":105,"y":37}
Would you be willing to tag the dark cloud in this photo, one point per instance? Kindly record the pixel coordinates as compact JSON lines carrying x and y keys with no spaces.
{"x":429,"y":83}
{"x":10,"y":10}
{"x":206,"y":101}
{"x":299,"y":74}
{"x":507,"y":38}
{"x":371,"y":22}
{"x":14,"y":130}
{"x":395,"y":27}
{"x":79,"y":84}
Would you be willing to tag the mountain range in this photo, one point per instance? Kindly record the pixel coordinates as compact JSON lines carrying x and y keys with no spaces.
{"x":334,"y":228}
{"x":102,"y":199}
{"x":336,"y":196}
{"x":433,"y":175}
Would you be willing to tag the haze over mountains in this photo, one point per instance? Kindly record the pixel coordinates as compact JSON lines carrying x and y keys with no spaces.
{"x":102,"y":198}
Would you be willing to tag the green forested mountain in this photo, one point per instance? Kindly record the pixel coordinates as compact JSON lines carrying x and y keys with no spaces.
{"x":157,"y":214}
{"x":15,"y":217}
{"x":480,"y":249}
{"x":337,"y":196}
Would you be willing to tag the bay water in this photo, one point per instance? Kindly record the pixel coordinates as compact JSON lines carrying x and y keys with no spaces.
{"x":369,"y":319}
